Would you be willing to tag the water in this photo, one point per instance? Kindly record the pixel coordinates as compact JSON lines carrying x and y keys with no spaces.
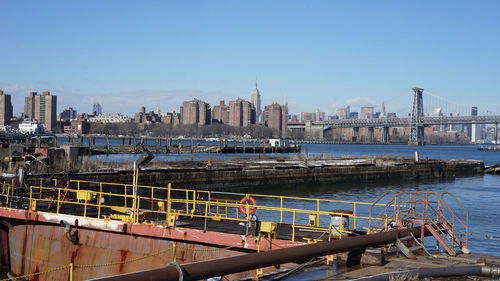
{"x":479,"y":194}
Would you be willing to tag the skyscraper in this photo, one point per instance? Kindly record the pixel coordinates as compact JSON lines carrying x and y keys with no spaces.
{"x":256,"y":102}
{"x":5,"y":108}
{"x":97,"y":109}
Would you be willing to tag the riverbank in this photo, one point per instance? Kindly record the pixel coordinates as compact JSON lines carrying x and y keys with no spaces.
{"x":238,"y":174}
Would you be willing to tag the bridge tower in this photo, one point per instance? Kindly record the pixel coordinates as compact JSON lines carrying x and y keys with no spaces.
{"x":417,"y":119}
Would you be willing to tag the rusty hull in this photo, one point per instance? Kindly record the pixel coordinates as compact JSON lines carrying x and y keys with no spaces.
{"x":37,"y":242}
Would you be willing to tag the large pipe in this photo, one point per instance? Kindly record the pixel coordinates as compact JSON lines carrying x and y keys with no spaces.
{"x":298,"y":254}
{"x":437,"y":272}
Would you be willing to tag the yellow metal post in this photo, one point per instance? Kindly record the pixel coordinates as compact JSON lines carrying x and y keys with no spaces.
{"x":194,"y":200}
{"x":317,"y":214}
{"x":168,"y":202}
{"x":8,"y":192}
{"x":187,"y":201}
{"x":259,"y":271}
{"x":58,"y":198}
{"x":281,"y":209}
{"x":174,"y":249}
{"x":152,"y":197}
{"x":341,"y":227}
{"x":125,"y":201}
{"x":31,"y":197}
{"x":355,"y":211}
{"x":99,"y":199}
{"x":385,"y":222}
{"x":70,"y":272}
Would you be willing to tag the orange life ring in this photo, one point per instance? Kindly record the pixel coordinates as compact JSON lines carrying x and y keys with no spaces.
{"x":243,"y":200}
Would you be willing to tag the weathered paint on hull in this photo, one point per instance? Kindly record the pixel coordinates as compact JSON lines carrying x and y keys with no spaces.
{"x":37,"y":243}
{"x":37,"y":248}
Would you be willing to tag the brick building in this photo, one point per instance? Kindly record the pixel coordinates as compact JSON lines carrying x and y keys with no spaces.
{"x":276,"y":117}
{"x":220,"y":113}
{"x":242,"y":113}
{"x":195,"y":112}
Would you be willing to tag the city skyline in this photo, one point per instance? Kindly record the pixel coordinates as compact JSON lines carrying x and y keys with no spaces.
{"x":322,"y":56}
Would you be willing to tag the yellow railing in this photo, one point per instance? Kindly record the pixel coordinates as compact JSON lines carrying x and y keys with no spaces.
{"x":164,"y":205}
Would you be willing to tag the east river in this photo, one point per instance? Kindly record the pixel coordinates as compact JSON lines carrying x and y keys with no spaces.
{"x":479,"y":194}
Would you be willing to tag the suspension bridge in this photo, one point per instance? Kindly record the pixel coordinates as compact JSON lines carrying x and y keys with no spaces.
{"x":445,"y":113}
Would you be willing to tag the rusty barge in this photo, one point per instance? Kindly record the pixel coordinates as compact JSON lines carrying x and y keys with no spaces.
{"x":76,"y":230}
{"x":245,"y":174}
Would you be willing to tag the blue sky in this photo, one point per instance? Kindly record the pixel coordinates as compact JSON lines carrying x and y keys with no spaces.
{"x":313,"y":54}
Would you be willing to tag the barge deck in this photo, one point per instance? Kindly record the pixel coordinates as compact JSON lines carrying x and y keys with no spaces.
{"x":60,"y":230}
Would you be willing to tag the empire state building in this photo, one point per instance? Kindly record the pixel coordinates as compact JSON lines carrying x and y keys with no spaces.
{"x":256,"y":102}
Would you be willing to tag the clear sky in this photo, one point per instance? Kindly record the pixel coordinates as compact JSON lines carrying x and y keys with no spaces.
{"x":313,"y":54}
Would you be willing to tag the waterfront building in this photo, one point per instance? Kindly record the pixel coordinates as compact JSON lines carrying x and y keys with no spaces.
{"x":109,"y":118}
{"x":195,"y":112}
{"x":275,"y":117}
{"x":256,"y":102}
{"x":77,"y":127}
{"x":220,"y":113}
{"x":30,"y":127}
{"x":5,"y":108}
{"x":241,"y":113}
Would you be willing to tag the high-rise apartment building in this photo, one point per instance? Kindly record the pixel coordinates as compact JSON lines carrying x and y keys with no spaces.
{"x":195,"y":112}
{"x":276,"y":117}
{"x":256,"y":102}
{"x":241,"y":113}
{"x":5,"y":108}
{"x":43,"y":108}
{"x":220,"y":113}
{"x":29,"y":106}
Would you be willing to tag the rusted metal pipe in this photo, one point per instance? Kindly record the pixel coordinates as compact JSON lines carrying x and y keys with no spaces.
{"x":298,"y":254}
{"x":487,"y":270}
